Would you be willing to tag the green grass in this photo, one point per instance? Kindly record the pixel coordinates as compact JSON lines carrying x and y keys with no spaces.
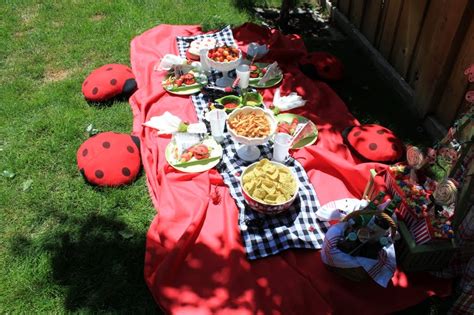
{"x":66,"y":246}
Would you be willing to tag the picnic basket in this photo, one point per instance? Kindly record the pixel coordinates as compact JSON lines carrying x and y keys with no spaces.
{"x":359,"y":274}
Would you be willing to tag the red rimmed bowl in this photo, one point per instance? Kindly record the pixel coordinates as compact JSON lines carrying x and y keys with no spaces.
{"x":264,"y":207}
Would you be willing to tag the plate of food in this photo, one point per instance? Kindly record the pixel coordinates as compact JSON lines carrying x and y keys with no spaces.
{"x":257,"y":71}
{"x":305,"y":130}
{"x":193,"y":157}
{"x":186,"y":84}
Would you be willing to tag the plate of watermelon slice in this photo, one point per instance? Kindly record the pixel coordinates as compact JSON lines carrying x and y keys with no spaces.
{"x":291,"y":123}
{"x":197,"y":158}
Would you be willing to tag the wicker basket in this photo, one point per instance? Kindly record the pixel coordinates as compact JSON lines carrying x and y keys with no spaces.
{"x":359,"y":274}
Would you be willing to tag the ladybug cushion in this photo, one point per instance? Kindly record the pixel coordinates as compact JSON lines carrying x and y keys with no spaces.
{"x":374,"y":143}
{"x":322,"y":65}
{"x":109,"y":159}
{"x":108,"y":82}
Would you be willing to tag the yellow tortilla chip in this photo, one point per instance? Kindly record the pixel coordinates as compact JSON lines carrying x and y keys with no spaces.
{"x":248,"y":176}
{"x":250,"y":187}
{"x":274,"y":176}
{"x":259,"y":193}
{"x":271,"y":199}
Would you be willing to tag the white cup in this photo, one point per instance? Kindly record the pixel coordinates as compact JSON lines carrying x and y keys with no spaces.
{"x":281,"y":146}
{"x":203,"y":59}
{"x":243,"y":73}
{"x":217,"y":118}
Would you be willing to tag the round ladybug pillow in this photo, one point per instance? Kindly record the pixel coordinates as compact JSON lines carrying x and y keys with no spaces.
{"x":374,"y":143}
{"x":108,"y":82}
{"x":322,"y":65}
{"x":109,"y":159}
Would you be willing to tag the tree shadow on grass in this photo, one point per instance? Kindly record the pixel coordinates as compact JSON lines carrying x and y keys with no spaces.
{"x":100,"y":263}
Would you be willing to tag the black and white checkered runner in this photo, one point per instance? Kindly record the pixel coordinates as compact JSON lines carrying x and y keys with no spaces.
{"x":263,"y":235}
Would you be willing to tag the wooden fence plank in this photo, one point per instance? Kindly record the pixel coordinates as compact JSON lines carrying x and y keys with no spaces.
{"x":390,"y":27}
{"x":428,"y":69}
{"x":357,"y":12}
{"x":411,"y":20}
{"x":344,"y":6}
{"x":370,"y":22}
{"x":455,"y":89}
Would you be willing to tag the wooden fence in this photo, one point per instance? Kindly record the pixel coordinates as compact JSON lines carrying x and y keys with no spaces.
{"x":428,"y":42}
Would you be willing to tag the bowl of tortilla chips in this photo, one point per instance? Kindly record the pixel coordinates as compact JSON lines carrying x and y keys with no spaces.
{"x":269,"y":187}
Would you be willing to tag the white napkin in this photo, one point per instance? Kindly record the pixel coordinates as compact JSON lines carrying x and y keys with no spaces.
{"x":168,"y":61}
{"x":169,"y":123}
{"x":284,"y":103}
{"x":199,"y":127}
{"x":337,"y":209}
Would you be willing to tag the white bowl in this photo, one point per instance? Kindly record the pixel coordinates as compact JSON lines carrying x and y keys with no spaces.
{"x":247,"y":140}
{"x":224,"y":66}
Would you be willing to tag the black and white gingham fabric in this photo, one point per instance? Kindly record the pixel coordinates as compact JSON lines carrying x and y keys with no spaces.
{"x":264,"y":235}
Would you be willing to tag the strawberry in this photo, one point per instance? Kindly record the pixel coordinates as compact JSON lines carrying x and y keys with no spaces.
{"x":200,"y":151}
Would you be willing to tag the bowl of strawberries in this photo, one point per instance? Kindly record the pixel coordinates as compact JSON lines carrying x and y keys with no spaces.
{"x":224,"y":58}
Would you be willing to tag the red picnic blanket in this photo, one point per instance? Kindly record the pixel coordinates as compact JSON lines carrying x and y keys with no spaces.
{"x":195,"y":262}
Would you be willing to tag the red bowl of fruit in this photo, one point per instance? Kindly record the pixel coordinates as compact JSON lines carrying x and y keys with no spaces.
{"x":224,"y":58}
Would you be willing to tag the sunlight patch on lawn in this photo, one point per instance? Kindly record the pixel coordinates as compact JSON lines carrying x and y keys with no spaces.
{"x":29,"y":14}
{"x":54,"y":75}
{"x":97,"y":17}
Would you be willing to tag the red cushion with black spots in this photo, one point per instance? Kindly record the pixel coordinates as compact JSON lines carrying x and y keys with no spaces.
{"x":375,"y":143}
{"x":108,"y":82}
{"x":322,"y":65}
{"x":109,"y":159}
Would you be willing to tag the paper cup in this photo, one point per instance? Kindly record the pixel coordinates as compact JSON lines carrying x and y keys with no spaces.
{"x":281,"y":146}
{"x":217,"y":119}
{"x":243,"y":73}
